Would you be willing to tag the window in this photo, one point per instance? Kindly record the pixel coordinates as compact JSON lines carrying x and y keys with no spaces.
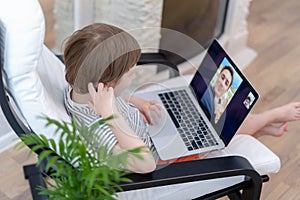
{"x":201,"y":21}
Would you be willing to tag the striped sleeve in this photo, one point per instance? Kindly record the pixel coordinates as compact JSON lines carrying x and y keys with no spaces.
{"x":134,"y":119}
{"x":84,"y":114}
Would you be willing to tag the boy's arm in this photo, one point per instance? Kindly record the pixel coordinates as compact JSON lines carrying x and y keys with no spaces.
{"x":104,"y":103}
{"x":145,"y":107}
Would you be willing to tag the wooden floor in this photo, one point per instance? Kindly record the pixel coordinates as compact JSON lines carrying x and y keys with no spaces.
{"x":274,"y":32}
{"x":274,"y":27}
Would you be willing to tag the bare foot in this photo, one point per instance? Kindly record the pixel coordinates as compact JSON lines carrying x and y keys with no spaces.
{"x":272,"y":130}
{"x":286,"y":113}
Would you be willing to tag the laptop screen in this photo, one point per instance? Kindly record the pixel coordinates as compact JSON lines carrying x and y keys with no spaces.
{"x":223,"y":92}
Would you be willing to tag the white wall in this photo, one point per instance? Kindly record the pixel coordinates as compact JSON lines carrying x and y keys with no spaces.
{"x":236,"y":32}
{"x":132,"y":15}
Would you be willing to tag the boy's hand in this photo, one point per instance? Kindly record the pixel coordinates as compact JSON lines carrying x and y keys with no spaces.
{"x":145,"y":107}
{"x":103,"y":100}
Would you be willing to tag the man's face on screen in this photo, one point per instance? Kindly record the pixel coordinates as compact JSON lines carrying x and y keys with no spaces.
{"x":223,"y":82}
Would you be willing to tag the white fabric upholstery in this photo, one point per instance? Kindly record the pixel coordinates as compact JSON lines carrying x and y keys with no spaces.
{"x":28,"y":64}
{"x":261,"y":158}
{"x":25,"y":26}
{"x":184,"y":191}
{"x":36,"y":78}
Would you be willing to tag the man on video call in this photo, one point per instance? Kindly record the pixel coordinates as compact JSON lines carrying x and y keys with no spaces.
{"x":212,"y":97}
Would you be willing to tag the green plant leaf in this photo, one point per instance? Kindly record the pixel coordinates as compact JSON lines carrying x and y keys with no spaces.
{"x":53,"y":144}
{"x":81,"y":167}
{"x":101,"y":189}
{"x":44,"y":154}
{"x":20,"y":145}
{"x":51,"y":162}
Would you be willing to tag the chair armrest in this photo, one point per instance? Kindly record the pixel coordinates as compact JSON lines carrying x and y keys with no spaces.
{"x":198,"y":170}
{"x":182,"y":172}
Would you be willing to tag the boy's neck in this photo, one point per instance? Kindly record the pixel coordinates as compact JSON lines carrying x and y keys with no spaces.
{"x":80,"y":98}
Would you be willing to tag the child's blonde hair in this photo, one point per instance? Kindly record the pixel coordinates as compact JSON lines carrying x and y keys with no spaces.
{"x":99,"y":53}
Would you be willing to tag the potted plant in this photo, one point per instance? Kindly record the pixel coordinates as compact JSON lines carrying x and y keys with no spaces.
{"x":80,"y":169}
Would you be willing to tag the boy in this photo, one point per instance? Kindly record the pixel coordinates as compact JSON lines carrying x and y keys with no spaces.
{"x":103,"y":57}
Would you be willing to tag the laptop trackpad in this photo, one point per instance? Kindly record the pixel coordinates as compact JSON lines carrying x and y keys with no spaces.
{"x":169,"y":146}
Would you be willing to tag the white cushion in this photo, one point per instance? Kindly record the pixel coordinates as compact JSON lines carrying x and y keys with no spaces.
{"x":40,"y":93}
{"x":25,"y":26}
{"x":261,"y":158}
{"x":28,"y":63}
{"x":185,"y":191}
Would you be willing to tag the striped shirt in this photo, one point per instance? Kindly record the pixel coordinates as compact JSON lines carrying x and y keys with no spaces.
{"x":84,"y":114}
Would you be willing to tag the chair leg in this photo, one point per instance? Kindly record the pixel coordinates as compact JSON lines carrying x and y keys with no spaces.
{"x":235,"y":196}
{"x":34,"y":175}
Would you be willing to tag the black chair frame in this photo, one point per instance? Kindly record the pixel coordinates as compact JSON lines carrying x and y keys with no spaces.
{"x":182,"y":172}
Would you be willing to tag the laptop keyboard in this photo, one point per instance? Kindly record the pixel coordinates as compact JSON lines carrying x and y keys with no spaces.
{"x":187,"y":119}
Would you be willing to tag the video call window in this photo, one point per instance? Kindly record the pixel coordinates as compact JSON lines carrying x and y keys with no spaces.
{"x":222,"y":88}
{"x":249,"y":100}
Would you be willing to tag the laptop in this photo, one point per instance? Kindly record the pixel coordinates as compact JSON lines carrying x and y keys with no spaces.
{"x":205,"y":115}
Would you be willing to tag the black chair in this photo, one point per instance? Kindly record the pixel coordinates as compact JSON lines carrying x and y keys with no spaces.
{"x":17,"y":107}
{"x":171,"y":174}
